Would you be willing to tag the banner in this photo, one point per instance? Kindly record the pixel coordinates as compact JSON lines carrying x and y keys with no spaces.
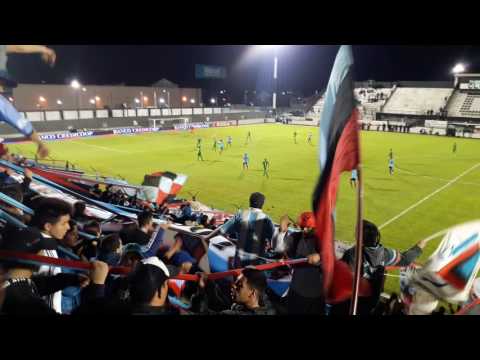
{"x":210,"y":72}
{"x":436,"y":124}
{"x":191,"y":126}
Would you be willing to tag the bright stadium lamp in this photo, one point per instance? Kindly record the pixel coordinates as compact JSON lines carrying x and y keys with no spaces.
{"x":92,"y":101}
{"x":97,"y":98}
{"x":75,"y":84}
{"x":184,"y":99}
{"x":162,"y":101}
{"x":212,"y":100}
{"x":137,"y":101}
{"x":459,"y":68}
{"x":84,"y":89}
{"x":192,"y":101}
{"x":59,"y":102}
{"x":41,"y":99}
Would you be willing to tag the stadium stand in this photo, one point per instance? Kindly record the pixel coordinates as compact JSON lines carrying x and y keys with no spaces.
{"x":464,"y":105}
{"x":417,"y":100}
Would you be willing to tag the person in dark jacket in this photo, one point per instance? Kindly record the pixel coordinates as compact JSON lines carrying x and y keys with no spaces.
{"x":375,"y":258}
{"x":305,"y":295}
{"x":24,"y":291}
{"x":247,"y":296}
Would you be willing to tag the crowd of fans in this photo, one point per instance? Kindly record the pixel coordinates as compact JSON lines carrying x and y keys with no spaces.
{"x":61,"y":231}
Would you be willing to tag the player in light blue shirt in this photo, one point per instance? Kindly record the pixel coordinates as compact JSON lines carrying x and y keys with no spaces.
{"x":391,"y":166}
{"x":245,"y":161}
{"x":221,"y":146}
{"x":229,"y":141}
{"x":354,"y":178}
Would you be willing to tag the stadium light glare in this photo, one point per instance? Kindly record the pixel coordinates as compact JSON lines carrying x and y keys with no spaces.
{"x":84,"y":89}
{"x":97,"y":98}
{"x":137,"y":101}
{"x":212,"y":100}
{"x":92,"y":101}
{"x":184,"y":98}
{"x":41,"y":99}
{"x":192,"y":101}
{"x":162,"y":101}
{"x":145,"y":98}
{"x":59,"y":102}
{"x":75,"y":84}
{"x":459,"y":68}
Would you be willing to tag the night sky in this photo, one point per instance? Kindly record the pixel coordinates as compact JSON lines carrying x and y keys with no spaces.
{"x":302,"y":68}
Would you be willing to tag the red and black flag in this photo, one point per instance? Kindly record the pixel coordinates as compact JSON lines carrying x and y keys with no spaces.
{"x":339,"y":151}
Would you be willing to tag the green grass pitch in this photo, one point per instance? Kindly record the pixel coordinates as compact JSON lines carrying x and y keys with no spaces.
{"x":425,"y":168}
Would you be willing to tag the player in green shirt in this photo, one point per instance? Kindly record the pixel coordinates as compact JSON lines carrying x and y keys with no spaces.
{"x":266,"y":166}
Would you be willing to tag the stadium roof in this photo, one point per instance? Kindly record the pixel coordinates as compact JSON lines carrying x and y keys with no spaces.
{"x":164,"y":83}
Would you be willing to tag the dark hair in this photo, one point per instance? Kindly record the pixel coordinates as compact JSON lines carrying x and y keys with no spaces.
{"x":144,"y":282}
{"x":110,"y":243}
{"x":371,"y":234}
{"x":144,"y":218}
{"x":49,"y":210}
{"x":256,"y":279}
{"x":79,"y":208}
{"x":91,"y":224}
{"x":204,"y":220}
{"x":257,"y":200}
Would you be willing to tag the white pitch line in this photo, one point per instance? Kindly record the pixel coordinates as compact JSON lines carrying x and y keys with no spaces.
{"x":102,"y":147}
{"x":428,"y":196}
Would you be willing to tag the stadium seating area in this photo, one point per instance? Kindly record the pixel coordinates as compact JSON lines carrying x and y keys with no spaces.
{"x":464,"y":105}
{"x":417,"y":100}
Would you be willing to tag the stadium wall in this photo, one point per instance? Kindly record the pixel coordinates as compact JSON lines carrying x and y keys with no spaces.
{"x":42,"y":126}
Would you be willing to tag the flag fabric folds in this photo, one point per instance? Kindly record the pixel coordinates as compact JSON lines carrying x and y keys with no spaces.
{"x":338,"y":152}
{"x":451,"y":270}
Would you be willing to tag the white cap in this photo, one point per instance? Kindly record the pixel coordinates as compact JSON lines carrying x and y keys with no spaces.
{"x":155,"y":261}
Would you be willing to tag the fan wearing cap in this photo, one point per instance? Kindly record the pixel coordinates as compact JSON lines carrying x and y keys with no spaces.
{"x":23,"y":290}
{"x":117,"y":286}
{"x":8,"y":113}
{"x":148,"y":288}
{"x":305,"y":295}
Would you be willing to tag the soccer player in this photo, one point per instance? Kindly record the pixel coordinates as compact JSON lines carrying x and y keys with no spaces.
{"x":221,"y":146}
{"x":229,"y":141}
{"x":199,"y":142}
{"x":245,"y":161}
{"x":199,"y":154}
{"x":295,"y":137}
{"x":454,"y":148}
{"x":249,"y":137}
{"x":391,"y":166}
{"x":266,"y":166}
{"x":390,"y":155}
{"x":354,"y":178}
{"x":215,"y":144}
{"x":309,"y":138}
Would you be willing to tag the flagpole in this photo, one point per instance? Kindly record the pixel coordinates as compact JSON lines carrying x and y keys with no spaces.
{"x":359,"y":246}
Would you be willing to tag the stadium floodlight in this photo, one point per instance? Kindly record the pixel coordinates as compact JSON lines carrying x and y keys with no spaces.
{"x":97,"y":98}
{"x":145,"y":98}
{"x":75,"y":84}
{"x":59,"y":102}
{"x":459,"y":68}
{"x":137,"y":101}
{"x":212,"y":100}
{"x":41,"y":99}
{"x":92,"y":101}
{"x":84,"y":89}
{"x":192,"y":101}
{"x":184,"y":98}
{"x":162,"y":101}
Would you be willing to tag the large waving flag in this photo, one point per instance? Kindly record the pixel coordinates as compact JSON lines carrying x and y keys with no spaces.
{"x":338,"y":152}
{"x":450,"y":272}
